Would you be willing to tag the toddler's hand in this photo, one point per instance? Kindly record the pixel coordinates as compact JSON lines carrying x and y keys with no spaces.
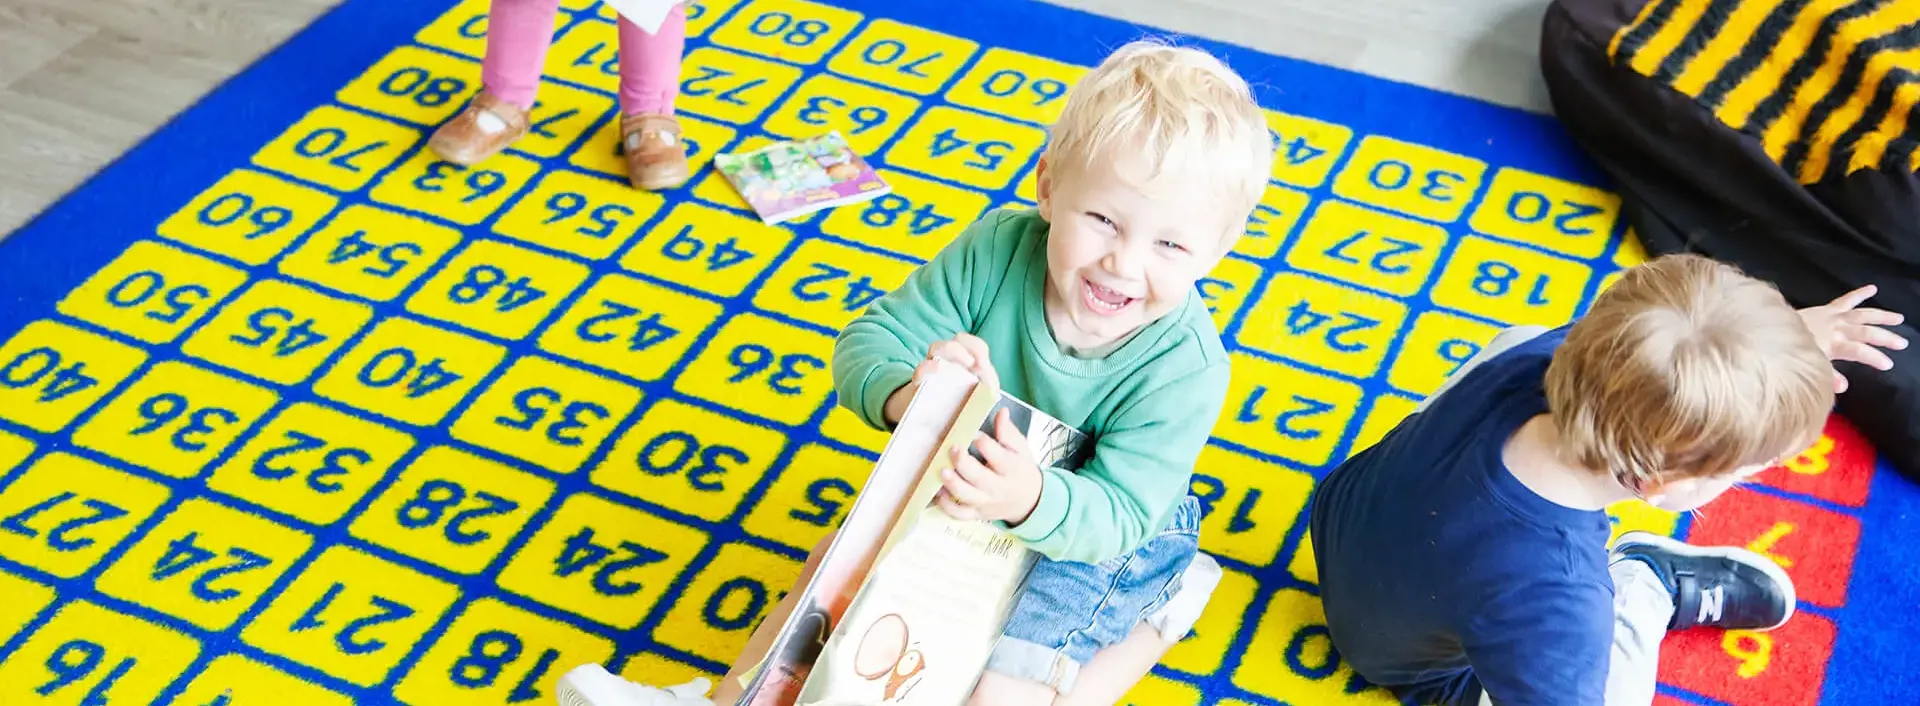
{"x":1846,"y":332}
{"x":1005,"y":488}
{"x":967,"y":351}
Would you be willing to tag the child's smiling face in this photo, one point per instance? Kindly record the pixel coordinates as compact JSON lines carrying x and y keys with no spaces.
{"x":1121,"y":253}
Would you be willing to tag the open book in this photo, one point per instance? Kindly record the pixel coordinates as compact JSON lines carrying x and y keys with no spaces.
{"x":908,"y":602}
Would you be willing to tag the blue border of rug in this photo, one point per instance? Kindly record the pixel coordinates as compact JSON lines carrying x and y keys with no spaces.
{"x":127,"y":199}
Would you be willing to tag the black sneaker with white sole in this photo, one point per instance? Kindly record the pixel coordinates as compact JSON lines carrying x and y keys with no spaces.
{"x":1717,"y":587}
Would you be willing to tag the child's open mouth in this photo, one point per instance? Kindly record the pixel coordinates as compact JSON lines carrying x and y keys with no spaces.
{"x":1103,"y":300}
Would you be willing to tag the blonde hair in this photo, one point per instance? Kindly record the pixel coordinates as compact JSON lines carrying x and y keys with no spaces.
{"x":1687,"y":368}
{"x":1179,"y":108}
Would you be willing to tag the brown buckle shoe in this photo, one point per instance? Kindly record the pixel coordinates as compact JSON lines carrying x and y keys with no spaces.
{"x":463,"y":141}
{"x":656,"y":159}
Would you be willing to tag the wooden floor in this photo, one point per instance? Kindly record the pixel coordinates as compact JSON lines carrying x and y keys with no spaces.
{"x":83,"y":80}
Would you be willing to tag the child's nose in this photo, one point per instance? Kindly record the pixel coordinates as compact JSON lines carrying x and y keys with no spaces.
{"x":1124,"y":261}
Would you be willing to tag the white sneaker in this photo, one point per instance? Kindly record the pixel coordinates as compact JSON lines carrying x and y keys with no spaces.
{"x":593,"y":685}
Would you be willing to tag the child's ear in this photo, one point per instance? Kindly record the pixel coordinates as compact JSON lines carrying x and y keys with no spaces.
{"x":1043,"y":190}
{"x":1655,"y":491}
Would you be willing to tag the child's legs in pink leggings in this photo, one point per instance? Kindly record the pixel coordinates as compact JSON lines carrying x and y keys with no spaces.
{"x":650,"y":64}
{"x":518,"y":32}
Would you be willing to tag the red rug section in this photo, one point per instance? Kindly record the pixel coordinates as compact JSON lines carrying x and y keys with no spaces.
{"x":1783,"y":520}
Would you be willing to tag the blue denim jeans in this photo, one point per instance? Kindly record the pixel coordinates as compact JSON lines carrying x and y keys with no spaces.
{"x":1070,"y":610}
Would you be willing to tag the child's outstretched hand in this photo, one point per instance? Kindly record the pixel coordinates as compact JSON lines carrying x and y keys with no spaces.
{"x":1005,"y":488}
{"x":1847,"y":332}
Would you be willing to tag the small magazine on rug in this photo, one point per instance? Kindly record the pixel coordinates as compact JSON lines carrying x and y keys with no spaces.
{"x":908,"y":602}
{"x":790,"y":179}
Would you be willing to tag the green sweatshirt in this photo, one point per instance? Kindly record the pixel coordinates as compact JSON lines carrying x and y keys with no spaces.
{"x":1149,"y":404}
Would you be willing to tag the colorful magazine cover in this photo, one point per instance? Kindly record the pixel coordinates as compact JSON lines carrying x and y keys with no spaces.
{"x":790,"y":179}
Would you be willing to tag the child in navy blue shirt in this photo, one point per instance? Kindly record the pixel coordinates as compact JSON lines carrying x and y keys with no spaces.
{"x":1463,"y":558}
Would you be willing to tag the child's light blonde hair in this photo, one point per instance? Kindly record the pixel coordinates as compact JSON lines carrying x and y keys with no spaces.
{"x":1182,"y":110}
{"x":1687,"y":368}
